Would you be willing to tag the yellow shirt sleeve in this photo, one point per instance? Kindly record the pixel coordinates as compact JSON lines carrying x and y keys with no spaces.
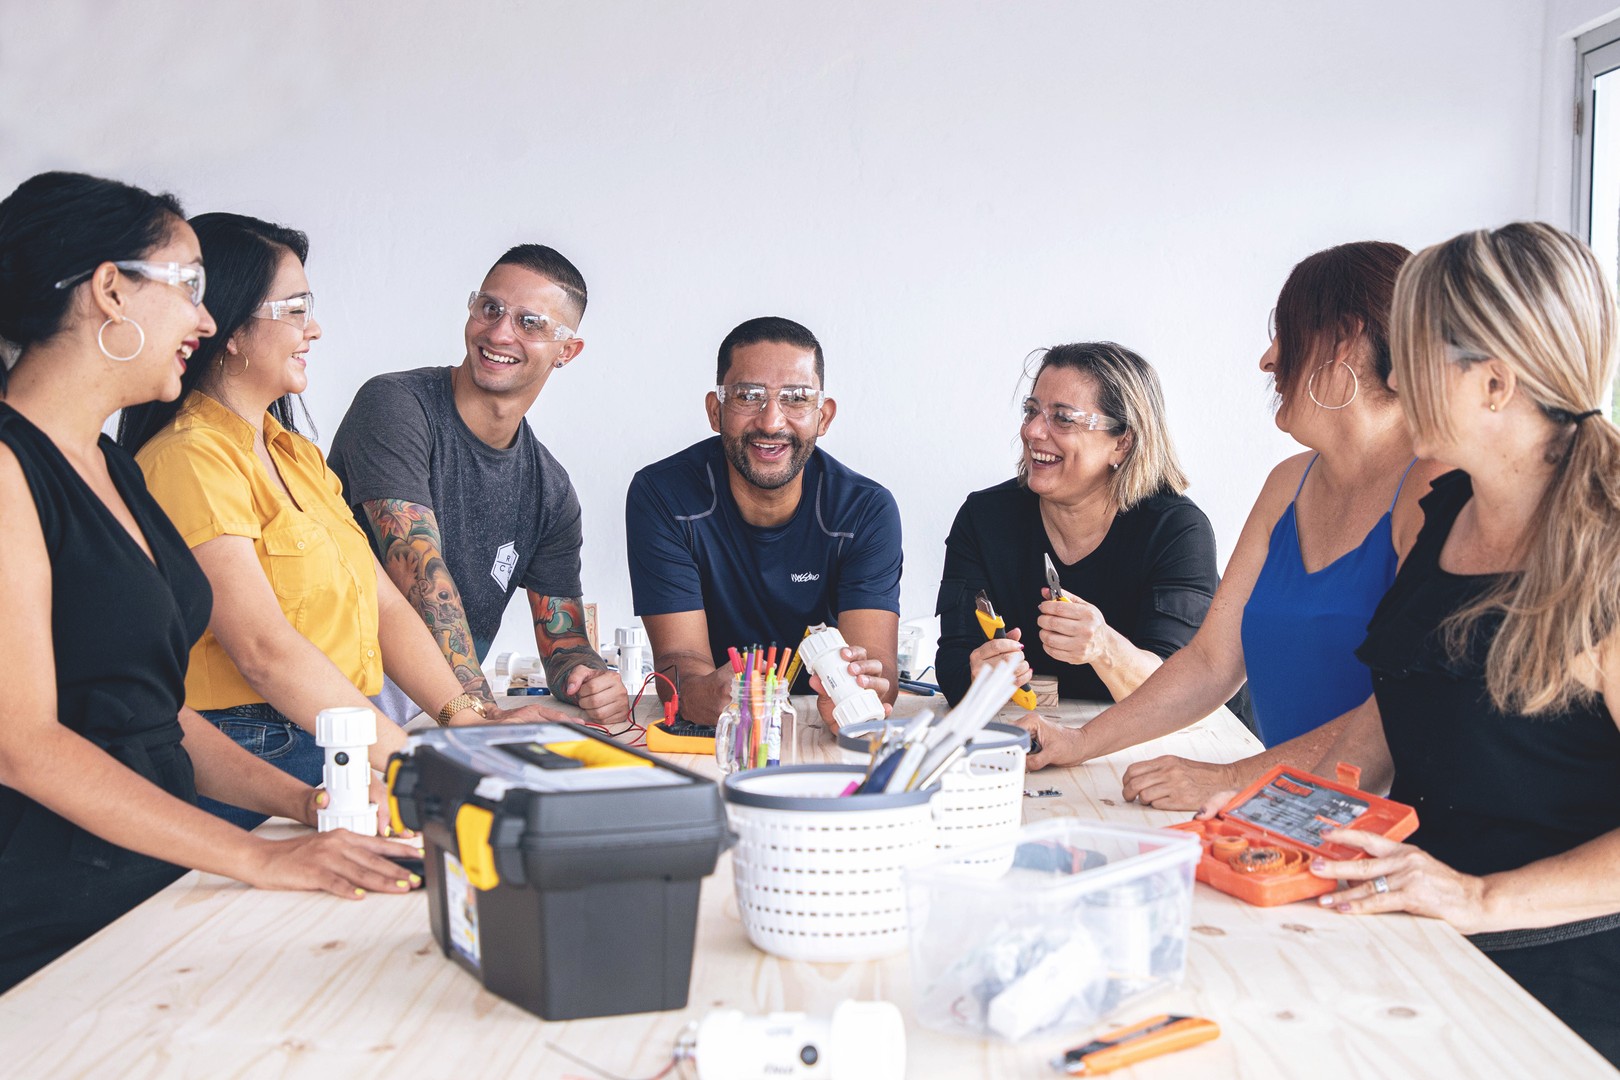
{"x":195,"y":477}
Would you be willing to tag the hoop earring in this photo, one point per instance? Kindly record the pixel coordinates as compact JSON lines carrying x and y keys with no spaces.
{"x":1310,"y":386}
{"x":101,"y":342}
{"x":233,"y":374}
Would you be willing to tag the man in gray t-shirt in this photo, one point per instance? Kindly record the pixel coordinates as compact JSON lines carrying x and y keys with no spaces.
{"x":461,"y":501}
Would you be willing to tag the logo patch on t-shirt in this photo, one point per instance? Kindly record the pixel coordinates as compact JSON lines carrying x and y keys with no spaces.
{"x":806,"y":576}
{"x":505,"y":563}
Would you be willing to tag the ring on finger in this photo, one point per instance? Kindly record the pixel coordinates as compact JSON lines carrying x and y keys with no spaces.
{"x":1380,"y":884}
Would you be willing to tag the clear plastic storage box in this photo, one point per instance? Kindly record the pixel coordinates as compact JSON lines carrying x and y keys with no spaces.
{"x":1088,"y":917}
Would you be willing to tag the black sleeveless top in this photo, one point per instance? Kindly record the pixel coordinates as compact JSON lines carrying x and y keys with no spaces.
{"x":122,"y":630}
{"x":1493,"y":792}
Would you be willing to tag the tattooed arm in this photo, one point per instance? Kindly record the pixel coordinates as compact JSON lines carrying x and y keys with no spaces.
{"x":408,"y":539}
{"x":574,"y":671}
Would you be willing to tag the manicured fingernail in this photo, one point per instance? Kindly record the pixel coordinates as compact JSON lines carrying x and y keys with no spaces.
{"x":402,"y":884}
{"x":416,"y":879}
{"x":359,"y":892}
{"x":1318,"y":864}
{"x":388,"y":830}
{"x":1325,"y":901}
{"x":1343,"y":909}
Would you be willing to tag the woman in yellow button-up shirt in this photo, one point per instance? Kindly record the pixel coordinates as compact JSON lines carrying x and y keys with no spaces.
{"x":304,"y":617}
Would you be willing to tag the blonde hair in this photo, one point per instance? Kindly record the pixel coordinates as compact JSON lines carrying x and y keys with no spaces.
{"x":1535,"y":299}
{"x":1128,"y":392}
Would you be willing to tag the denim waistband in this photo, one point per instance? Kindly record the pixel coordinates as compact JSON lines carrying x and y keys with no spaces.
{"x":1502,"y":940}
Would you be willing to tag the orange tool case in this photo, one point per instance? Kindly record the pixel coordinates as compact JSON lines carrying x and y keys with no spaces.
{"x":1260,"y":846}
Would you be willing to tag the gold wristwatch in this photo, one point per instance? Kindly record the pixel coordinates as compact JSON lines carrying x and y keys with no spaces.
{"x":460,"y":703}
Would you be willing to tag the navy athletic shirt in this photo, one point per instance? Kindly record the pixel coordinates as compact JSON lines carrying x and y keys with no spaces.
{"x":691,"y":550}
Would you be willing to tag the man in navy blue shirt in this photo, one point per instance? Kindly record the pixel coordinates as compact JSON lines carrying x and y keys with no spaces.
{"x":748,"y":538}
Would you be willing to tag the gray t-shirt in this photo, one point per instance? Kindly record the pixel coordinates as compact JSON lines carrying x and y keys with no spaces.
{"x":507,"y":517}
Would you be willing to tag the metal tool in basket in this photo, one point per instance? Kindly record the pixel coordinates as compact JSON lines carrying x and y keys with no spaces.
{"x":926,"y":747}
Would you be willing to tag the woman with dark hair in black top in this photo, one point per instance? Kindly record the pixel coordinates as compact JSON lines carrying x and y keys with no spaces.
{"x":1495,"y":655}
{"x":101,"y":290}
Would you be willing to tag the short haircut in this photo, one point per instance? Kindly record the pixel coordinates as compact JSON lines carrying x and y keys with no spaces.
{"x":1328,"y":299}
{"x":550,"y":264}
{"x":775,"y":329}
{"x":1128,"y":392}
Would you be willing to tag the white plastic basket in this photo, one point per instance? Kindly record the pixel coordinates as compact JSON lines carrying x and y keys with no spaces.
{"x":981,"y":798}
{"x":818,"y":877}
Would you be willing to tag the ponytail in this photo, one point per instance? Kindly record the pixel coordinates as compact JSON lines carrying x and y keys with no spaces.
{"x":1534,"y":298}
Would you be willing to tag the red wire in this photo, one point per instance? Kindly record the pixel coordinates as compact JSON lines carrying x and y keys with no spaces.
{"x":630,"y":725}
{"x":669,"y":709}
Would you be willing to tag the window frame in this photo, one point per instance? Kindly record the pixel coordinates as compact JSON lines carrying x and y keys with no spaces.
{"x":1597,"y":52}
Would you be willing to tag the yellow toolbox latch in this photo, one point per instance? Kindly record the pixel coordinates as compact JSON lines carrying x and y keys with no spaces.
{"x":393,"y":799}
{"x":473,"y":825}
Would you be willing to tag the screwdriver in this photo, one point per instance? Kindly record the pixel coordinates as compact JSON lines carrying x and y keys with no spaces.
{"x":993,"y":628}
{"x":1127,"y":1046}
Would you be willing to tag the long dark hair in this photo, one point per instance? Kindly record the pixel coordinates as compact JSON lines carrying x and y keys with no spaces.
{"x":57,"y":225}
{"x":241,"y":254}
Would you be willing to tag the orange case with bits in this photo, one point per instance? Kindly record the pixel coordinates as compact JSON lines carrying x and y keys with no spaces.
{"x":1284,"y":810}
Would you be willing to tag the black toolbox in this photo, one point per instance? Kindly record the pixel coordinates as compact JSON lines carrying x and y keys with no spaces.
{"x":562,"y":869}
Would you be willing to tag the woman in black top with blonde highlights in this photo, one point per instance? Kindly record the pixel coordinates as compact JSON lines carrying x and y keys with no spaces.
{"x":1098,"y":491}
{"x":101,"y":305}
{"x":1496,"y":652}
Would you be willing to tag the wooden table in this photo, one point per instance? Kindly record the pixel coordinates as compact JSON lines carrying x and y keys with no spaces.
{"x":212,"y":979}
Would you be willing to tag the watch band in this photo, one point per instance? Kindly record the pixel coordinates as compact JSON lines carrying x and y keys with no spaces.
{"x":457,"y":704}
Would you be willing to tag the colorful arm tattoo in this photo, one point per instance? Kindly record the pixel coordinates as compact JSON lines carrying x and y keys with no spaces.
{"x":559,"y":631}
{"x":407,"y":534}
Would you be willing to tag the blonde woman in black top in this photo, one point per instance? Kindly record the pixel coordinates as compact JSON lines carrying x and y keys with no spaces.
{"x":1496,"y":652}
{"x":1099,"y":493}
{"x":101,"y":305}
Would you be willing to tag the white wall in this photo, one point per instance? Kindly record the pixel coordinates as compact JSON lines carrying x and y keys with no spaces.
{"x":934,"y":189}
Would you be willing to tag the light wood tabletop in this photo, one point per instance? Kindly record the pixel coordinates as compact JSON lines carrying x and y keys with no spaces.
{"x":210,"y":978}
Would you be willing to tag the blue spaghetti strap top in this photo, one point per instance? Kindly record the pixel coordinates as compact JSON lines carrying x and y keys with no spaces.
{"x":1301,"y":630}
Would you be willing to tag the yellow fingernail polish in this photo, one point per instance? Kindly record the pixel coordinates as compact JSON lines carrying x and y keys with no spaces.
{"x":402,"y":884}
{"x":359,"y":892}
{"x":416,"y":879}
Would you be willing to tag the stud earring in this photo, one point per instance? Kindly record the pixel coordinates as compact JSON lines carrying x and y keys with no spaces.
{"x":1493,"y":406}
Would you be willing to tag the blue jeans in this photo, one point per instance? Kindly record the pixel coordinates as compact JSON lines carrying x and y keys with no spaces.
{"x":270,"y":736}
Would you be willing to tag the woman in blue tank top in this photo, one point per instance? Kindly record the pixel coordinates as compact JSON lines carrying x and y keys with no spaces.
{"x":1299,"y":625}
{"x":1318,"y":551}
